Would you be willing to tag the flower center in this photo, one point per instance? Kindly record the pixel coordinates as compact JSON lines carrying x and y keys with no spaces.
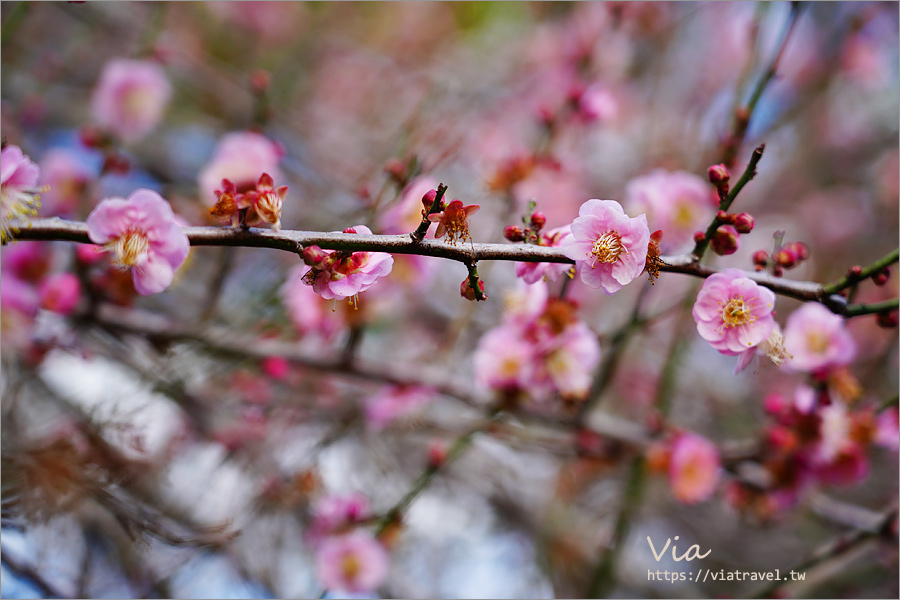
{"x":130,"y":249}
{"x":608,"y":248}
{"x":737,"y":313}
{"x":350,"y":567}
{"x":817,"y":342}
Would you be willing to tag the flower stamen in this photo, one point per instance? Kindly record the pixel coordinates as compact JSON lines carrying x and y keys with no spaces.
{"x":737,"y":313}
{"x":607,"y":248}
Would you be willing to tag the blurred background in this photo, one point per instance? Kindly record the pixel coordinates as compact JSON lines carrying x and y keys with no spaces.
{"x":183,"y":444}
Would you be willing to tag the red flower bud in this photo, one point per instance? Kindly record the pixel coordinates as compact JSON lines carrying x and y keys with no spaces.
{"x":718,"y":174}
{"x":437,"y":453}
{"x":725,"y":241}
{"x":777,"y":271}
{"x":349,"y":230}
{"x":882,"y":276}
{"x":888,"y":320}
{"x":699,"y":237}
{"x":538,"y":220}
{"x":723,"y":217}
{"x":855,"y":272}
{"x":760,"y":258}
{"x":743,"y":223}
{"x":428,"y":199}
{"x":800,"y":249}
{"x":514,"y":233}
{"x":313,"y":255}
{"x":785,"y":257}
{"x":467,"y":292}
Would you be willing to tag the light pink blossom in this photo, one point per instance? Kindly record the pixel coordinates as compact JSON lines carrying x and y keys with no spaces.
{"x":597,"y":103}
{"x":567,"y":362}
{"x":67,"y":178}
{"x":693,"y":468}
{"x":887,"y":429}
{"x":354,"y":563}
{"x":677,"y":202}
{"x":242,"y":158}
{"x":337,"y":514}
{"x":734,"y":313}
{"x":394,"y":402}
{"x":130,"y":98}
{"x":60,"y":293}
{"x":532,"y":272}
{"x":609,"y":247}
{"x":19,"y":194}
{"x":503,"y":361}
{"x":346,"y":274}
{"x":817,"y":339}
{"x":141,"y":232}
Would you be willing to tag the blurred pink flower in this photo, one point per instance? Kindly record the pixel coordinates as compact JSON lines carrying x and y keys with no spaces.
{"x":337,"y":514}
{"x":241,"y":157}
{"x":354,"y":563}
{"x":837,"y":457}
{"x":532,"y":272}
{"x":733,"y":313}
{"x":887,"y":431}
{"x":29,"y":261}
{"x":60,"y":293}
{"x":677,"y":202}
{"x":567,"y":362}
{"x":597,"y":103}
{"x":693,"y":468}
{"x":817,"y":339}
{"x":67,"y":178}
{"x":406,"y":214}
{"x":609,"y":247}
{"x":503,"y":361}
{"x":17,"y":295}
{"x":344,"y":274}
{"x":130,"y":98}
{"x":142,"y":233}
{"x":19,"y":194}
{"x":394,"y":402}
{"x":309,"y":312}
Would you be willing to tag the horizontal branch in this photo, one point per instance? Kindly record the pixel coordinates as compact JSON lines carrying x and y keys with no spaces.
{"x":295,"y":241}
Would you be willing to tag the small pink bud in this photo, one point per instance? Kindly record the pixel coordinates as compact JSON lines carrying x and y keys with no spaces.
{"x":881,"y":277}
{"x":887,"y":320}
{"x":350,"y":230}
{"x":437,"y":453}
{"x":276,"y":367}
{"x":514,"y":233}
{"x":538,"y":220}
{"x":725,"y":241}
{"x":785,"y":257}
{"x":313,"y":255}
{"x":718,"y":174}
{"x":428,"y":199}
{"x":743,"y":222}
{"x":855,"y":272}
{"x":699,"y":237}
{"x":800,"y":249}
{"x":760,"y":258}
{"x":467,"y":292}
{"x":723,"y":217}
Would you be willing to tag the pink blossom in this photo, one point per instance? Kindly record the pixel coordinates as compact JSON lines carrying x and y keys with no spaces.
{"x":406,"y":214}
{"x":308,"y":311}
{"x":609,"y":247}
{"x":67,"y":177}
{"x":276,"y":367}
{"x":453,"y":221}
{"x":354,"y":563}
{"x":19,"y":194}
{"x":17,"y":295}
{"x":502,"y":361}
{"x":734,"y":313}
{"x":130,"y":98}
{"x":532,"y":272}
{"x":598,"y":104}
{"x":817,"y":339}
{"x":679,"y":203}
{"x":337,"y":514}
{"x":344,"y":274}
{"x":693,"y":468}
{"x":241,"y":157}
{"x":887,"y":429}
{"x":29,"y":261}
{"x":394,"y":402}
{"x":567,"y":362}
{"x":772,"y":348}
{"x":60,"y":293}
{"x":142,"y":233}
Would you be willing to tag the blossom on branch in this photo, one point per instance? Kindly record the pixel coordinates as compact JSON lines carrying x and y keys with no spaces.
{"x":734,"y":313}
{"x":453,"y":221}
{"x":609,"y":247}
{"x":345,"y":274}
{"x":141,"y":232}
{"x":532,"y":272}
{"x":354,"y":563}
{"x":19,"y":193}
{"x":817,"y":339}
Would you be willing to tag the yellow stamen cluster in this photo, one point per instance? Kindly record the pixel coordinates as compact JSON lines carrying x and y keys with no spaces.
{"x":737,"y":313}
{"x":607,"y":248}
{"x":129,"y":249}
{"x":18,"y":204}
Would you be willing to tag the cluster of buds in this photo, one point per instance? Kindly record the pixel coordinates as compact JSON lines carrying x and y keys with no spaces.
{"x":879,"y":278}
{"x":726,"y":239}
{"x":531,"y":232}
{"x":719,"y":176}
{"x":785,"y":256}
{"x":261,"y":204}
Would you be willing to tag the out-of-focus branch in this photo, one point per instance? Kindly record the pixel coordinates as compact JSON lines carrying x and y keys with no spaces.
{"x":295,"y":241}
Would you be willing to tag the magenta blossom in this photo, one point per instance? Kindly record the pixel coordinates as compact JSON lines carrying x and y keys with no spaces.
{"x":242,"y":158}
{"x":346,"y":274}
{"x":734,"y":313}
{"x":130,"y":98}
{"x":693,"y":468}
{"x":19,"y":194}
{"x":354,"y":563}
{"x":67,"y":178}
{"x":532,"y":272}
{"x":60,"y":293}
{"x":609,"y":247}
{"x":141,"y":232}
{"x":817,"y":339}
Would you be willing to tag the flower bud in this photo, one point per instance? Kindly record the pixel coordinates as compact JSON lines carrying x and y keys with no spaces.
{"x":514,"y":233}
{"x":760,"y":258}
{"x":882,"y":276}
{"x":724,"y":217}
{"x":699,"y":237}
{"x":437,"y":453}
{"x":785,"y":257}
{"x":888,"y":320}
{"x":349,"y":230}
{"x":800,"y":249}
{"x":725,"y":241}
{"x":396,"y":170}
{"x":855,"y":272}
{"x":428,"y":199}
{"x":777,"y":271}
{"x":743,"y":222}
{"x":467,"y":292}
{"x":538,"y":220}
{"x":313,"y":255}
{"x":718,"y":174}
